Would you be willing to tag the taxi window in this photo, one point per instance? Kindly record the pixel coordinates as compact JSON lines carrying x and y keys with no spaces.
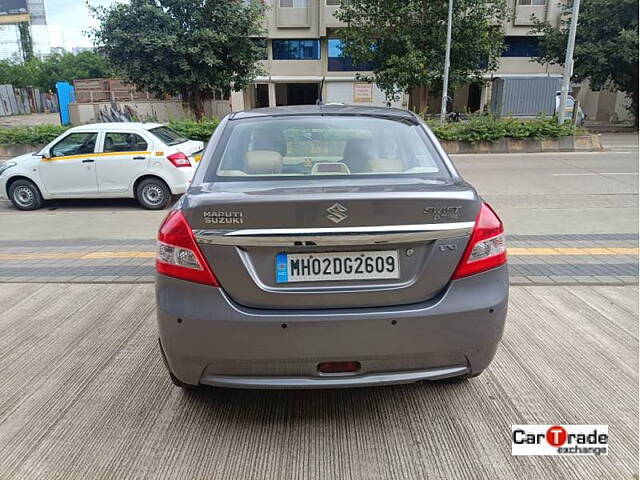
{"x":124,"y":142}
{"x":75,"y":144}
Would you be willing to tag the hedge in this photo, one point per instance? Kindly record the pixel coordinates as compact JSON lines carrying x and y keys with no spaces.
{"x":201,"y":130}
{"x":491,"y":129}
{"x":476,"y":128}
{"x":35,"y":135}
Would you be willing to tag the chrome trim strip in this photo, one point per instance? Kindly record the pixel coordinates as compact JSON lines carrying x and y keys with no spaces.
{"x":391,"y":378}
{"x":277,"y":237}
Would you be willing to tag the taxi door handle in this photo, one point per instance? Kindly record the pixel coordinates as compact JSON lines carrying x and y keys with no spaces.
{"x":88,"y":160}
{"x":139,"y":158}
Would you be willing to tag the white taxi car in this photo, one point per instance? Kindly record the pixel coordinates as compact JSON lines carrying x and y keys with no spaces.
{"x":146,"y":161}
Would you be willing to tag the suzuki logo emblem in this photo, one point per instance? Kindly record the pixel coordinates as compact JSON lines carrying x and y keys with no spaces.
{"x":337,"y":213}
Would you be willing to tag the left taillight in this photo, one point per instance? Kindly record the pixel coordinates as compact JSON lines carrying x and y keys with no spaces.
{"x":179,"y":159}
{"x":178,"y":254}
{"x":487,"y":248}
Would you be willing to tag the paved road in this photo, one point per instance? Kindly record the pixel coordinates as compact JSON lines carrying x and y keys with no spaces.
{"x":85,"y":395}
{"x":546,"y":193}
{"x":560,"y":193}
{"x":28,"y":120}
{"x":570,"y":218}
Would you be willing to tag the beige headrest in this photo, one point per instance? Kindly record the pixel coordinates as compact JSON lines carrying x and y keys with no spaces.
{"x":263,"y":162}
{"x":387,"y":165}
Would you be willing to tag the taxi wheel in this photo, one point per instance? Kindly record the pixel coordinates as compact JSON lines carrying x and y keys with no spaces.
{"x":25,"y":195}
{"x":153,"y":194}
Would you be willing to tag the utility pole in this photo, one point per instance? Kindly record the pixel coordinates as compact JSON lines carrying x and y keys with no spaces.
{"x":447,"y":57}
{"x":568,"y":60}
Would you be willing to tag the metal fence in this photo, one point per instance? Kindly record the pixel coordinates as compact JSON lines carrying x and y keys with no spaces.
{"x":20,"y":101}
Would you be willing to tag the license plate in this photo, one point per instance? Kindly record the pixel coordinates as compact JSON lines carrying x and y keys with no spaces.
{"x":315,"y":267}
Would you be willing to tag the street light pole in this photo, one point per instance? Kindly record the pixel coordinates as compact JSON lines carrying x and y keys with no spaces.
{"x":568,"y":61}
{"x":447,"y":57}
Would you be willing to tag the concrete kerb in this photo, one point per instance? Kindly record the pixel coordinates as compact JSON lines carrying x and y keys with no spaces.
{"x":10,"y":151}
{"x":582,"y":143}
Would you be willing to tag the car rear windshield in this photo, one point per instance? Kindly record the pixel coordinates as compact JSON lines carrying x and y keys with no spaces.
{"x":168,"y":136}
{"x":323,"y":145}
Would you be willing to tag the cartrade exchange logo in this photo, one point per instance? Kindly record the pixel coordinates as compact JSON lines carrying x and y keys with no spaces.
{"x":559,"y":439}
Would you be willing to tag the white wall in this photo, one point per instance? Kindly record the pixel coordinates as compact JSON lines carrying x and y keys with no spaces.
{"x":157,"y":110}
{"x":343,"y":92}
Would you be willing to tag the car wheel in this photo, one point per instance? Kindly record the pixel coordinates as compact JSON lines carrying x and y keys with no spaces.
{"x":153,"y":194}
{"x":25,"y":195}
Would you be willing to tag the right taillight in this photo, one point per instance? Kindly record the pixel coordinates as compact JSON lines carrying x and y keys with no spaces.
{"x":178,"y":254}
{"x":179,"y":159}
{"x":487,"y":248}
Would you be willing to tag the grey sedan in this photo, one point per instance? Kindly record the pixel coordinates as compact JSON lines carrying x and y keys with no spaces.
{"x":328,"y":246}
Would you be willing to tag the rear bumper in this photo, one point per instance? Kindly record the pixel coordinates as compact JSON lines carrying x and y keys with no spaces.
{"x":179,"y":179}
{"x":207,"y":338}
{"x":3,"y":187}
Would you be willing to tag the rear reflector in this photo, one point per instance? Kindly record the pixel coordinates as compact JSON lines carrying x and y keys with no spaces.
{"x":178,"y":254}
{"x":179,"y":159}
{"x":338,"y":367}
{"x":487,"y":248}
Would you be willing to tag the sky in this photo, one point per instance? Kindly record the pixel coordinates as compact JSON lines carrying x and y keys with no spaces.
{"x":68,"y":21}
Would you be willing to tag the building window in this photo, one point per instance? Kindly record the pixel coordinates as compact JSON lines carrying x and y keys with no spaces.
{"x":337,"y":3}
{"x":296,"y":49}
{"x":293,"y":3}
{"x":533,"y":3}
{"x":520,"y":47}
{"x":338,"y":62}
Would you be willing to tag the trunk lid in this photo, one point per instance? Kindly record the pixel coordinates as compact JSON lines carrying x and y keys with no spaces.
{"x":190,"y":148}
{"x":243,"y":227}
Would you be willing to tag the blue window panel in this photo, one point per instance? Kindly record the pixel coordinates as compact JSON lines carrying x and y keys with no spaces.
{"x":296,"y":49}
{"x":335,"y":48}
{"x":520,"y":47}
{"x":338,"y":62}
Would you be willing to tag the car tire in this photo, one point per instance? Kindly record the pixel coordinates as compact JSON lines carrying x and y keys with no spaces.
{"x":153,"y":194}
{"x":25,"y":195}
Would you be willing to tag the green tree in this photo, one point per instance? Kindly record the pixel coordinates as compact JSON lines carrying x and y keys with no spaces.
{"x":186,"y":47}
{"x":68,"y":67}
{"x":44,"y":73}
{"x":606,"y":51}
{"x":405,"y":41}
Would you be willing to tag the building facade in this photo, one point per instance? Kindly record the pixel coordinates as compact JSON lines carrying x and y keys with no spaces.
{"x":304,"y":64}
{"x":23,"y":11}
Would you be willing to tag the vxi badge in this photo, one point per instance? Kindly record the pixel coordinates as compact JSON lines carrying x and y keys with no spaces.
{"x":559,"y":439}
